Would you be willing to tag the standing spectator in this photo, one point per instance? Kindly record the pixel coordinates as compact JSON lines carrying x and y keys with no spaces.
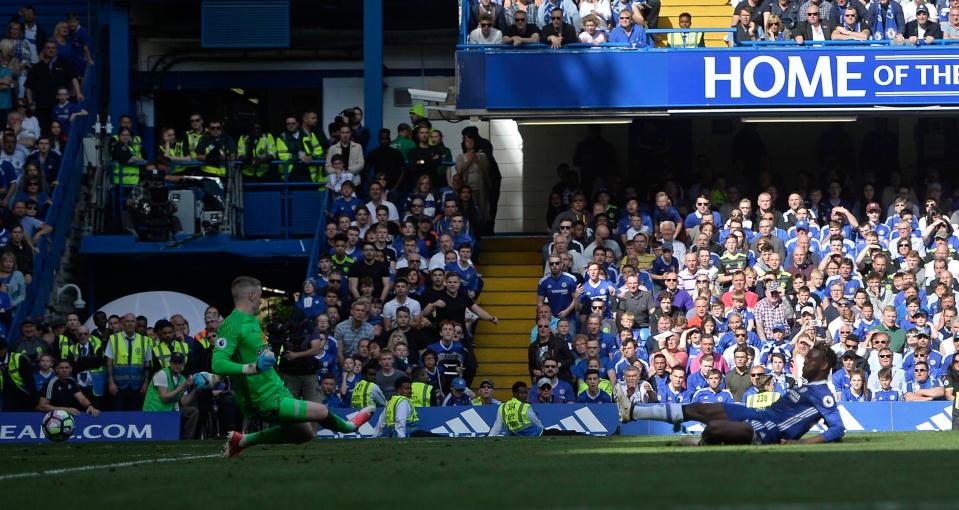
{"x":771,"y":312}
{"x":910,"y":12}
{"x":558,"y":33}
{"x":217,"y":149}
{"x":600,"y":10}
{"x":473,"y":170}
{"x":83,"y":45}
{"x":494,"y":175}
{"x":521,"y":31}
{"x":887,"y":21}
{"x":424,"y":160}
{"x":351,"y":331}
{"x":746,"y":30}
{"x":9,"y":72}
{"x":64,"y":111}
{"x":627,"y":32}
{"x":351,"y":152}
{"x":558,"y":289}
{"x":129,"y":356}
{"x":922,"y":28}
{"x":25,"y":52}
{"x":493,"y":10}
{"x":485,"y":33}
{"x":32,"y":32}
{"x":387,"y":160}
{"x":372,"y":268}
{"x":66,"y":49}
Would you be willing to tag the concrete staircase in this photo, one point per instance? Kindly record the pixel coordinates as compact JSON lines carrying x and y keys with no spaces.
{"x":705,"y":13}
{"x":511,"y":269}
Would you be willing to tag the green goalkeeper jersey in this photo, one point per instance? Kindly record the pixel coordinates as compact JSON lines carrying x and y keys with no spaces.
{"x":241,"y":341}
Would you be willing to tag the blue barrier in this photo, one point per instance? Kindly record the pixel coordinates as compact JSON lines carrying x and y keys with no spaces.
{"x":808,"y":76}
{"x":125,"y":426}
{"x":60,"y":214}
{"x":603,"y":419}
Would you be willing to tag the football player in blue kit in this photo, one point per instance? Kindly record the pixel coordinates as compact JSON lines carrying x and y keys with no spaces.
{"x":784,"y":422}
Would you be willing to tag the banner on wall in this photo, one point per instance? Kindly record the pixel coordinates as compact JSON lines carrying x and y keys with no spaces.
{"x":121,"y":426}
{"x":724,"y":78}
{"x":603,"y":419}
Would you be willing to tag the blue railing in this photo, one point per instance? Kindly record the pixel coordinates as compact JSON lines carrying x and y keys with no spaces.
{"x":60,"y":215}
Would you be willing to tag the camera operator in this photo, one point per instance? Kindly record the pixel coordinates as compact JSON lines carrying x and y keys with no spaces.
{"x":298,"y":365}
{"x":127,"y":157}
{"x":149,"y":212}
{"x":217,"y":149}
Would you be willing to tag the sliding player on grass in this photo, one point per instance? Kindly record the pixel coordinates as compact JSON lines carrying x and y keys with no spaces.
{"x":783,"y":422}
{"x":243,"y":353}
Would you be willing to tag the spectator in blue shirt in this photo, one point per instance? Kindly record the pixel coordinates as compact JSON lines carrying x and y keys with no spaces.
{"x":309,"y":301}
{"x":593,"y":395}
{"x":675,"y":392}
{"x":663,"y":264}
{"x":924,"y":388}
{"x":558,"y":289}
{"x":856,"y":391}
{"x":562,"y":391}
{"x":65,"y":111}
{"x":628,"y":32}
{"x":457,"y":395}
{"x":470,"y":279}
{"x":346,"y":203}
{"x":713,"y":393}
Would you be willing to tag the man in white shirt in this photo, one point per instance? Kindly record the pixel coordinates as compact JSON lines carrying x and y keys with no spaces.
{"x":401,"y":288}
{"x":485,"y":33}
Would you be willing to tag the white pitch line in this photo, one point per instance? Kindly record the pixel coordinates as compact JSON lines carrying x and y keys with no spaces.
{"x":103,"y":466}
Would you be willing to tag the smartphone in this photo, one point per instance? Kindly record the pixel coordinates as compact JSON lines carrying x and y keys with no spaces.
{"x":817,"y":323}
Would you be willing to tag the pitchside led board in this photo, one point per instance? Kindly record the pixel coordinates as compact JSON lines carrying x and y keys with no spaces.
{"x":840,"y":76}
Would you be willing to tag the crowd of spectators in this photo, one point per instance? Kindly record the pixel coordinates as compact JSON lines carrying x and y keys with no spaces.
{"x":699,"y":289}
{"x":561,"y":22}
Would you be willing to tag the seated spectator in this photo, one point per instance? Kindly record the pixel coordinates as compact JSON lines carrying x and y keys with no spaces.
{"x":922,"y":29}
{"x":950,"y":29}
{"x":774,"y":30}
{"x":746,"y":30}
{"x":485,"y":33}
{"x":591,"y":34}
{"x":814,"y":29}
{"x":558,"y":33}
{"x":910,"y":11}
{"x":686,"y":39}
{"x":521,"y":32}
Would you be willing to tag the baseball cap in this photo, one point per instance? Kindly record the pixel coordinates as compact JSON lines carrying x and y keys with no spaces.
{"x":57,"y":323}
{"x":667,"y":246}
{"x":873,"y":206}
{"x":458,"y":384}
{"x":779,"y":327}
{"x":775,"y":287}
{"x":921,"y":312}
{"x":803,"y":225}
{"x":922,"y":9}
{"x":850,"y":354}
{"x":808,"y":310}
{"x":543,"y":381}
{"x":487,"y":382}
{"x":177,"y":357}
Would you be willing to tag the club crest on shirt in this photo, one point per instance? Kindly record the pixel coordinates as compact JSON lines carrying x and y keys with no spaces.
{"x":221,"y":343}
{"x":828,"y":401}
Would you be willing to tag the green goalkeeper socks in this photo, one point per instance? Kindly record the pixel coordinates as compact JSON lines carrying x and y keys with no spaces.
{"x":334,"y":422}
{"x":272,"y":435}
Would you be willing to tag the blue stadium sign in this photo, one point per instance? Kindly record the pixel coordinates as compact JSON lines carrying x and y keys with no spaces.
{"x":724,"y":78}
{"x":120,"y":426}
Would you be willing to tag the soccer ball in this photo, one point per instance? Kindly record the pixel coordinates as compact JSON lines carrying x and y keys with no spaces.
{"x":57,"y":425}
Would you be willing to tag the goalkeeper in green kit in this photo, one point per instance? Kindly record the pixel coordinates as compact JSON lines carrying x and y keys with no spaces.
{"x":242,"y":352}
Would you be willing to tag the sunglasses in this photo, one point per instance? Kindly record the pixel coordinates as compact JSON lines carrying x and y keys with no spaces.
{"x":885,"y":356}
{"x":702,"y":203}
{"x":920,"y":370}
{"x":565,"y":227}
{"x":812,"y":14}
{"x":519,"y":19}
{"x":554,"y":263}
{"x":550,"y":366}
{"x":484,"y":25}
{"x":554,"y":18}
{"x":597,"y":307}
{"x":740,"y":335}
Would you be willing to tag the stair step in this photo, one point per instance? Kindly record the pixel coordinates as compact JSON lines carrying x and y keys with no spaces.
{"x":512,"y":312}
{"x":505,"y":368}
{"x":502,"y":341}
{"x":511,"y":271}
{"x":518,"y":326}
{"x":503,"y":382}
{"x":697,"y":12}
{"x":510,"y":284}
{"x":507,"y":298}
{"x":501,"y":354}
{"x":510,"y":257}
{"x":514,"y":244}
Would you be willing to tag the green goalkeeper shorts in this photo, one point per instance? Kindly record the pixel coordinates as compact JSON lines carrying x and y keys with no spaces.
{"x":283,"y":408}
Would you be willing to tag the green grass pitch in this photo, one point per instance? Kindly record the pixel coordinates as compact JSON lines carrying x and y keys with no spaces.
{"x":904,"y":470}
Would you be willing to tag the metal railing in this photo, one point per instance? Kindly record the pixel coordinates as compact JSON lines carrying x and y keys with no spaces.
{"x":60,"y":214}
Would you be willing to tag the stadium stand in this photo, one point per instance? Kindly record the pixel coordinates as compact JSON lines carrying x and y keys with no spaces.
{"x":675,"y":289}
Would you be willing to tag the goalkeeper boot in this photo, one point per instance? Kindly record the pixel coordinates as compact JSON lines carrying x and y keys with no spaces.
{"x":624,"y":404}
{"x":363,"y":416}
{"x":232,"y":448}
